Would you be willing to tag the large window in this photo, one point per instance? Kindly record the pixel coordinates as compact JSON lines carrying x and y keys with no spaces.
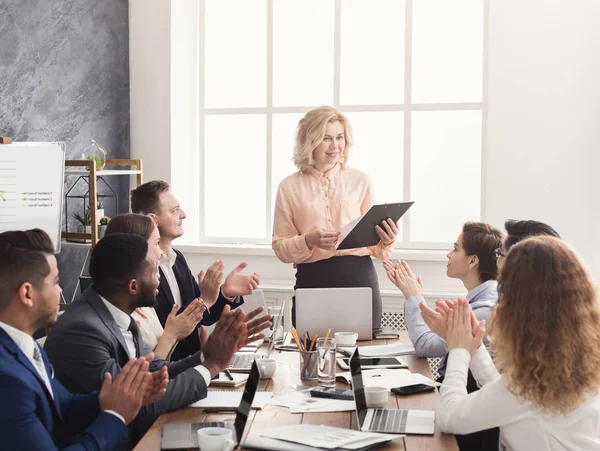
{"x":409,"y":74}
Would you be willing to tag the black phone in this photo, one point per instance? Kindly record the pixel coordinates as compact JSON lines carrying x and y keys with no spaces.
{"x":334,"y":393}
{"x":412,"y":389}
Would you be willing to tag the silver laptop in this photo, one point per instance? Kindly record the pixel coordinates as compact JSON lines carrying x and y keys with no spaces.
{"x":390,"y":421}
{"x":184,"y":435}
{"x":341,"y":309}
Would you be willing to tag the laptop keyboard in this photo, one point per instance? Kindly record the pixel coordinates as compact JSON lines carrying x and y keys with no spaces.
{"x":389,"y":420}
{"x":242,"y":360}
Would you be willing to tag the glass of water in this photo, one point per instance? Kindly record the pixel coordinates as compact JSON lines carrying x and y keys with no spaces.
{"x":276,"y":312}
{"x":326,"y":366}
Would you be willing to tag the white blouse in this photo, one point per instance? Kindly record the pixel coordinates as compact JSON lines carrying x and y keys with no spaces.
{"x":522,"y":426}
{"x":149,"y":324}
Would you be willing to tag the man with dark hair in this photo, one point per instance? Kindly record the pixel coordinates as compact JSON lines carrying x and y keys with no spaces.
{"x":178,"y":286}
{"x":97,"y":334}
{"x":518,"y":231}
{"x":37,"y":411}
{"x":473,"y":262}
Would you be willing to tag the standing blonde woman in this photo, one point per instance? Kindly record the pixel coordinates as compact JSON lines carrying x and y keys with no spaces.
{"x":314,"y":203}
{"x":541,"y":390}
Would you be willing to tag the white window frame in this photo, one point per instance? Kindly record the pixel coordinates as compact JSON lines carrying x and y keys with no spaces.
{"x":407,"y":108}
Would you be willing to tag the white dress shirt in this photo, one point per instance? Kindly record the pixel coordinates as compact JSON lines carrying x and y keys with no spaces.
{"x":166,"y":263}
{"x":123,"y":319}
{"x":522,"y":425}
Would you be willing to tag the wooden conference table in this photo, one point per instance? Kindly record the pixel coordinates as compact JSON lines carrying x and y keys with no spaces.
{"x":272,"y":416}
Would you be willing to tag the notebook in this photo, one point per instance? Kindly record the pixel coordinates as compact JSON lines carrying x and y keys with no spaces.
{"x":224,"y":381}
{"x":229,"y":399}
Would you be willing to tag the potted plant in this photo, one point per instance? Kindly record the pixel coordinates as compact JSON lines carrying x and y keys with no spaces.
{"x":99,"y":210}
{"x":85,"y":223}
{"x":102,"y":227}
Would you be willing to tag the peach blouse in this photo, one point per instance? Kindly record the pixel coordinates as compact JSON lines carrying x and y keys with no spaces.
{"x":313,"y":200}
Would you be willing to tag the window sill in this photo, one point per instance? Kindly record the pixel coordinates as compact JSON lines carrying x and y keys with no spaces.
{"x":266,"y":251}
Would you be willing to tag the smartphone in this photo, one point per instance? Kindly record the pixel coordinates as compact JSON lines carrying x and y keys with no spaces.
{"x":333,"y":393}
{"x":412,"y":389}
{"x":376,"y":362}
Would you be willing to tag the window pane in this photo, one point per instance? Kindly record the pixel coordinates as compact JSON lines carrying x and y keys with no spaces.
{"x":447,"y":56}
{"x":372,"y":52}
{"x":445,"y":173}
{"x":236,"y":53}
{"x":235,"y":176}
{"x":302,"y":52}
{"x":284,"y":133}
{"x":378,"y":150}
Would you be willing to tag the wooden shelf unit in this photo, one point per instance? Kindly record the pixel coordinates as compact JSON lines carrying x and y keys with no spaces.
{"x":93,"y":173}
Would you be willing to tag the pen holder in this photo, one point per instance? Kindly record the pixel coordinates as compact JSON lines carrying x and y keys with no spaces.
{"x":308,"y":365}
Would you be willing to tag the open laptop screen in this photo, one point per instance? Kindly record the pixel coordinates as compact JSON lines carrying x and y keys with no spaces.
{"x":358,"y":388}
{"x":246,"y":403}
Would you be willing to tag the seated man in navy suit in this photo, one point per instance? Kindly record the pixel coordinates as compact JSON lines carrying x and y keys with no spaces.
{"x":37,"y":411}
{"x":178,"y":286}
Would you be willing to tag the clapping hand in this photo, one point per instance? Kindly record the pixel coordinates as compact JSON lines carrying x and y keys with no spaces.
{"x":461,"y":333}
{"x":126,"y":394}
{"x":403,"y":277}
{"x":180,"y":326}
{"x":238,"y":284}
{"x":210,"y":282}
{"x":434,"y":320}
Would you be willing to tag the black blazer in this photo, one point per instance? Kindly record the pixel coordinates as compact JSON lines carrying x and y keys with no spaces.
{"x":86,"y":342}
{"x":189,"y":289}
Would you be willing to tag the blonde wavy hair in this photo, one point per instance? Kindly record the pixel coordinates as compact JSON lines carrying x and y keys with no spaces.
{"x":311,"y":131}
{"x":545,"y":328}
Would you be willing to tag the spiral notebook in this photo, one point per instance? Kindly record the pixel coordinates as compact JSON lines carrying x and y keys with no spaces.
{"x":224,"y":381}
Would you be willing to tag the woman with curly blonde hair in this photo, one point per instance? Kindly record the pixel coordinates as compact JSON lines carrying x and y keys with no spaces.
{"x":541,"y":390}
{"x":314,"y":203}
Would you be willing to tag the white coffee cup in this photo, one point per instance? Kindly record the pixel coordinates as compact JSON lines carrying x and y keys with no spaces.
{"x":215,"y":439}
{"x":377,"y":396}
{"x":266,"y":368}
{"x":345,"y":339}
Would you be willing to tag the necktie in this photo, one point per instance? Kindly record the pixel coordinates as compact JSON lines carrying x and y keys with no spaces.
{"x":40,"y":367}
{"x":135,"y":333}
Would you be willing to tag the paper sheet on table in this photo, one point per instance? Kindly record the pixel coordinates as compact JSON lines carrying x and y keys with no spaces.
{"x":327,"y":437}
{"x":386,"y":350}
{"x":345,"y":231}
{"x":302,"y":402}
{"x":230,"y":399}
{"x":389,"y":378}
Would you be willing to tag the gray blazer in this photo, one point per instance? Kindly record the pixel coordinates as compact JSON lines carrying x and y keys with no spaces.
{"x":86,"y":343}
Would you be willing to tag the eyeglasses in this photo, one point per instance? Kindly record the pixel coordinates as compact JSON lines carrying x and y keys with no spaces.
{"x":498,"y":253}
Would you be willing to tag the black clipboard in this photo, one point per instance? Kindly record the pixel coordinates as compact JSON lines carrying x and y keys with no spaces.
{"x":363,"y":234}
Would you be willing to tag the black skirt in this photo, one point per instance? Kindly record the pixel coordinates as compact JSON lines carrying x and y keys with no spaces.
{"x":341,"y":272}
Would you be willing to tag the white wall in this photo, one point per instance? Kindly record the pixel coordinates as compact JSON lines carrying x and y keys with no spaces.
{"x":544,"y":118}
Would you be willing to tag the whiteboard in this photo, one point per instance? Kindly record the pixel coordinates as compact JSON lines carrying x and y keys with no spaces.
{"x":31,"y":187}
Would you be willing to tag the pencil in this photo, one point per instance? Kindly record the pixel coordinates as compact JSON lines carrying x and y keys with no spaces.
{"x":312,"y":345}
{"x":327,"y":336}
{"x":296,"y":339}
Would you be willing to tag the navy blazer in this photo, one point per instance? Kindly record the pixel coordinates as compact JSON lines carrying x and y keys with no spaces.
{"x":189,"y":289}
{"x":31,"y":420}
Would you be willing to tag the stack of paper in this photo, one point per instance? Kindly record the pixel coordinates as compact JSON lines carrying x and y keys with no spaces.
{"x":230,"y":399}
{"x":302,"y":402}
{"x":389,"y":378}
{"x":326,"y":437}
{"x":386,"y":350}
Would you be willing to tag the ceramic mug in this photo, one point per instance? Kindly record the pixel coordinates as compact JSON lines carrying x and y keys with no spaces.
{"x":215,"y":439}
{"x":266,"y":368}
